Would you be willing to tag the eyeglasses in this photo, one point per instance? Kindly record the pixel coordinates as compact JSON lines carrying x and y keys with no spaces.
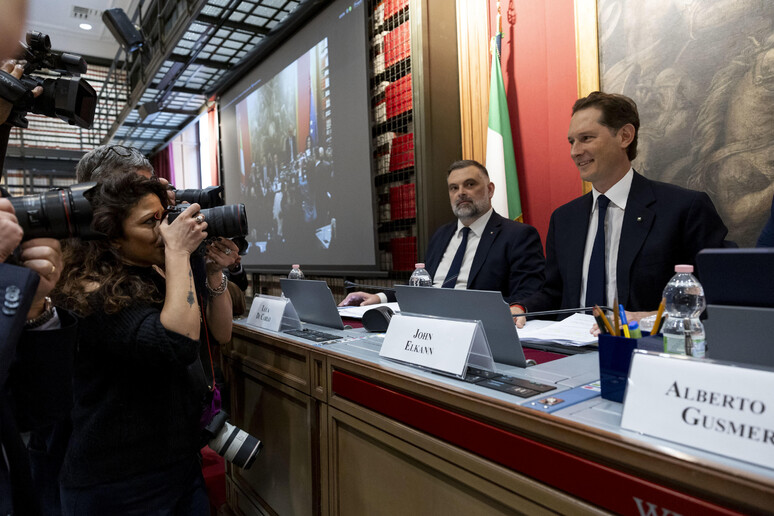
{"x":123,"y":151}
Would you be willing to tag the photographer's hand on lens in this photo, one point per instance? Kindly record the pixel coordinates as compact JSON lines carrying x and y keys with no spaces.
{"x":44,"y":256}
{"x":12,"y":67}
{"x":11,"y":232}
{"x":185,"y":233}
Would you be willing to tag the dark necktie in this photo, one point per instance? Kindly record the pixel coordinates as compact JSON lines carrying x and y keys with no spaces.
{"x":454,"y":269}
{"x":595,"y":284}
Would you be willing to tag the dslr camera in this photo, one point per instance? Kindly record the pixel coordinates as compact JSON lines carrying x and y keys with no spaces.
{"x":59,"y":213}
{"x":68,"y":96}
{"x":229,"y":221}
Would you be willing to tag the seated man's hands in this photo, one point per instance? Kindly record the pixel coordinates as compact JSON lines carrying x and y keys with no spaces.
{"x":515,"y":312}
{"x":44,"y":256}
{"x":11,"y":232}
{"x":360,"y":299}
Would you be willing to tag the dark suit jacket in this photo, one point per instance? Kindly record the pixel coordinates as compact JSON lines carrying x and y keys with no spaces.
{"x":35,"y":386}
{"x":664,"y":225}
{"x":509,"y":257}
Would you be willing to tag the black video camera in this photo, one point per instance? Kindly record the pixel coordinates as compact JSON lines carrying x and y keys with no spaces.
{"x":68,"y":97}
{"x":59,"y":213}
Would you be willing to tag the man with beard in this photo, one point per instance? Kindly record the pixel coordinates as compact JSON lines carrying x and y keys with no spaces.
{"x":494,"y":253}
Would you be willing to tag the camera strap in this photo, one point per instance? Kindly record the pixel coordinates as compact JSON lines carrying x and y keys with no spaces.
{"x":211,"y":382}
{"x":11,"y":88}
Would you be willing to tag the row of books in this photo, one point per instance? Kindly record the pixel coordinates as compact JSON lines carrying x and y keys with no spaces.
{"x":403,"y":202}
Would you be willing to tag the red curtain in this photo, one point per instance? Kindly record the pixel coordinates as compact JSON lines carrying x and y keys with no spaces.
{"x":163,"y":164}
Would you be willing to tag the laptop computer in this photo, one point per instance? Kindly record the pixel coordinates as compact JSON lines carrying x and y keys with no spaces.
{"x":487,"y":306}
{"x":737,"y":277}
{"x":313,"y":302}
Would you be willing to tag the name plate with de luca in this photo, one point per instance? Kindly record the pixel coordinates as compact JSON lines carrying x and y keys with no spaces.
{"x":719,"y":408}
{"x":273,"y":313}
{"x":444,"y":345}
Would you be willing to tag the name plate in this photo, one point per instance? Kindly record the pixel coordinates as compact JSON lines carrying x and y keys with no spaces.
{"x":273,"y":313}
{"x":718,"y":408}
{"x":445,"y":345}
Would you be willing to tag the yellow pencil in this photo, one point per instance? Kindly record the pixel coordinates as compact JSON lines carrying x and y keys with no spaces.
{"x":599,"y":314}
{"x":660,"y":314}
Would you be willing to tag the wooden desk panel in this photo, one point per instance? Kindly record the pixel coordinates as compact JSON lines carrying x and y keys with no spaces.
{"x":481,"y":452}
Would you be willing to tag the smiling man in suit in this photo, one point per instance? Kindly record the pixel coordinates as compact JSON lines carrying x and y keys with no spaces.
{"x":480,"y":250}
{"x":623,"y":239}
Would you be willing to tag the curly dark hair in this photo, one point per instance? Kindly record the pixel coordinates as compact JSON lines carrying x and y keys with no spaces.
{"x":95,"y":276}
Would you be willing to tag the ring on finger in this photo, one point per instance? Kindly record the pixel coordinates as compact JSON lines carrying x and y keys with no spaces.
{"x":199,"y":218}
{"x":227,"y":251}
{"x":53,"y":270}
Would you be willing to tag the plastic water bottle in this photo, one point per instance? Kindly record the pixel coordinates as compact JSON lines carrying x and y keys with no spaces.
{"x":683,"y":331}
{"x":420,"y":277}
{"x":295,"y":272}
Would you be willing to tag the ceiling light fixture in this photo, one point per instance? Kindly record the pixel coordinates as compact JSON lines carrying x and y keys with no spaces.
{"x":85,"y":26}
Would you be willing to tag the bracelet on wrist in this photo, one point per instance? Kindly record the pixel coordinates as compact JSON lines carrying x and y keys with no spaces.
{"x":43,"y":318}
{"x":215,"y":292}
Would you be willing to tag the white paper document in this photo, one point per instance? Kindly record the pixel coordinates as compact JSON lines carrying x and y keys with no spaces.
{"x":573,"y":331}
{"x":356,"y":312}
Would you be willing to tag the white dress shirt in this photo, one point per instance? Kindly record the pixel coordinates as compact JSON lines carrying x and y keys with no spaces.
{"x":617,"y":194}
{"x":474,"y":237}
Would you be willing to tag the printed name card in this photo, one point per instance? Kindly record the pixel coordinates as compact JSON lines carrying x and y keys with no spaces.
{"x":273,"y":313}
{"x":445,"y":345}
{"x":718,"y":408}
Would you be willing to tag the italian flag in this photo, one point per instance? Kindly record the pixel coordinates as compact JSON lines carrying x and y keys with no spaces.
{"x":500,"y":159}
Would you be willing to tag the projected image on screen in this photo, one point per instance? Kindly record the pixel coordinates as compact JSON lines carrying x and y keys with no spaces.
{"x":286,"y":156}
{"x":296,"y":142}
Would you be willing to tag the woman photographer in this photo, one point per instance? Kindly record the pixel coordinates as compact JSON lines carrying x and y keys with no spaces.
{"x":136,"y":435}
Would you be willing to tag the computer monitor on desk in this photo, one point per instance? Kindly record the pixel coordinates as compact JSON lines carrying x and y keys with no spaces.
{"x":739,"y":289}
{"x":486,"y":306}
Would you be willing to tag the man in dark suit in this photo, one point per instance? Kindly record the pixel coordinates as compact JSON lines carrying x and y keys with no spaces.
{"x":36,"y":340}
{"x":480,"y":250}
{"x":623,"y":239}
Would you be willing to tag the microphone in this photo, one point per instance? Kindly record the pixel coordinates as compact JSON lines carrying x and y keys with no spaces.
{"x":352,"y":285}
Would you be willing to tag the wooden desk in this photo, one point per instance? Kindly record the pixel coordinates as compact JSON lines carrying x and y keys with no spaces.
{"x":347,"y":435}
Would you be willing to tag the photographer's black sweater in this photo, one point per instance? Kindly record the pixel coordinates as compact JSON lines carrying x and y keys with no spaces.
{"x":136,"y":407}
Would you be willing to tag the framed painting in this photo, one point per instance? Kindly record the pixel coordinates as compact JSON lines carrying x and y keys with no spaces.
{"x":702,"y":75}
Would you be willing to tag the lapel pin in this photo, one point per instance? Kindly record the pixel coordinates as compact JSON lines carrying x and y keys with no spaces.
{"x":639,"y":219}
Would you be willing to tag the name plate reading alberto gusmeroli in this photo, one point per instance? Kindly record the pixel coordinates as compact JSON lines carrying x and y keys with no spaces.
{"x":718,"y":408}
{"x":434,"y":343}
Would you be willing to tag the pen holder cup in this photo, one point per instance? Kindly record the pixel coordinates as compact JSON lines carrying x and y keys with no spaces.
{"x":615,"y":357}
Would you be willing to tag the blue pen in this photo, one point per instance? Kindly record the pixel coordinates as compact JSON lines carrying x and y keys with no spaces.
{"x":624,"y":322}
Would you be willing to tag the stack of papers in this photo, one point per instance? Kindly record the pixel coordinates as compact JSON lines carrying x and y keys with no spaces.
{"x":573,"y":331}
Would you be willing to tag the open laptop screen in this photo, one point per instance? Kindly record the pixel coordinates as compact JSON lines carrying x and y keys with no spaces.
{"x":313,"y":302}
{"x":487,"y":306}
{"x":737,"y":277}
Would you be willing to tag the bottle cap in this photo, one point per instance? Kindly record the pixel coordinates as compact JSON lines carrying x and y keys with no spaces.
{"x":684,"y":268}
{"x":634,"y":325}
{"x":296,"y":266}
{"x":419,"y":265}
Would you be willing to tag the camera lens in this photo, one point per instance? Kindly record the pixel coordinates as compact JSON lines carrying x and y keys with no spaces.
{"x":206,"y":198}
{"x":61,"y":213}
{"x":236,"y":446}
{"x":226,"y":221}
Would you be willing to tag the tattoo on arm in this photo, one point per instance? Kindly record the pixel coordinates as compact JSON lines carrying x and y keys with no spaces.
{"x":191,"y":299}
